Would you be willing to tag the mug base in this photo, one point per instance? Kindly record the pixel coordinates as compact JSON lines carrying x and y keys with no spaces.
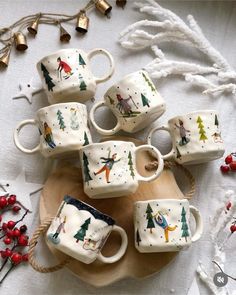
{"x":105,"y":193}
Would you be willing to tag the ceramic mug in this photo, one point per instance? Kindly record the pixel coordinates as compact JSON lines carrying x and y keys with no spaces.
{"x":109,"y":168}
{"x":63,"y":130}
{"x":163,"y":225}
{"x":196,"y":137}
{"x":66,"y":75}
{"x":81,"y":231}
{"x":134,"y":101}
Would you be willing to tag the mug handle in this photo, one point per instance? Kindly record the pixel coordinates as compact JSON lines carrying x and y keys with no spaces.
{"x":159,"y":157}
{"x":171,"y":154}
{"x":99,"y":129}
{"x":111,"y":61}
{"x":121,"y":251}
{"x":199,"y":223}
{"x":16,"y":137}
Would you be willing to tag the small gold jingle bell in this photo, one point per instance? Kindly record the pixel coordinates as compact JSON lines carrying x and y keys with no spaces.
{"x":33,"y":27}
{"x":82,"y":22}
{"x":103,"y":6}
{"x":64,"y":35}
{"x":20,"y":41}
{"x":4,"y":59}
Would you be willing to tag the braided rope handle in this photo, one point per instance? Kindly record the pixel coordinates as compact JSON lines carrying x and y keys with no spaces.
{"x":152,"y":165}
{"x":42,"y":228}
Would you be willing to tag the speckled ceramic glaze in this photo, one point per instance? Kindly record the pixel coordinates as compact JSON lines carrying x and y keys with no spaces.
{"x":66,"y":75}
{"x":81,"y":231}
{"x":196,"y":137}
{"x":163,"y":225}
{"x":109,"y":168}
{"x":63,"y":130}
{"x":134,"y":101}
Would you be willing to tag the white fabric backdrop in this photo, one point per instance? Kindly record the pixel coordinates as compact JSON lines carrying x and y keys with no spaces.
{"x":218,"y":21}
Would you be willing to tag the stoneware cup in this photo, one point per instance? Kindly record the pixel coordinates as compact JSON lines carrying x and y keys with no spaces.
{"x":134,"y":101}
{"x":81,"y":231}
{"x":163,"y":225}
{"x":196,"y":137}
{"x":63,"y":130}
{"x":66,"y":75}
{"x":109,"y":168}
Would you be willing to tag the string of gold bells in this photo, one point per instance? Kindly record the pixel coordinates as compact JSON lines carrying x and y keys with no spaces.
{"x":14,"y":34}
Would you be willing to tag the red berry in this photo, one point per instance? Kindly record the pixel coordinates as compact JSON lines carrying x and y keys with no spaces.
{"x":228,"y":159}
{"x":7,"y":241}
{"x":11,"y":199}
{"x":25,"y":257}
{"x":8,"y":252}
{"x":233,"y":166}
{"x":16,"y":209}
{"x":16,"y":258}
{"x":23,"y":228}
{"x":23,"y":240}
{"x":9,"y":233}
{"x":233,"y":228}
{"x":228,"y":206}
{"x":224,"y":168}
{"x":3,"y":254}
{"x":4,"y":226}
{"x":11,"y":224}
{"x":16,"y":232}
{"x":3,"y":201}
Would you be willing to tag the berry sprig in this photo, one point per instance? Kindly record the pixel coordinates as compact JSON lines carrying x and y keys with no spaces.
{"x":230,"y":164}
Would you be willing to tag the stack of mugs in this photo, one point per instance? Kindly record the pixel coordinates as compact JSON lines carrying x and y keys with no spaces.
{"x":109,"y":168}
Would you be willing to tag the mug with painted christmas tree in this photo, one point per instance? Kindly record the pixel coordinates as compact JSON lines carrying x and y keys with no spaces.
{"x":109,"y":168}
{"x":163,"y":225}
{"x":134,"y":101}
{"x":63,"y":130}
{"x":196,"y":137}
{"x":81,"y":231}
{"x":67,"y":76}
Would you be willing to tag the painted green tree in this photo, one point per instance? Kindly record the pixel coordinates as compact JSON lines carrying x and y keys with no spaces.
{"x":79,"y":236}
{"x":149,"y":82}
{"x":149,"y":217}
{"x":178,"y":155}
{"x":202,"y":132}
{"x":216,"y":121}
{"x":61,"y":120}
{"x":184,"y":227}
{"x":81,"y":61}
{"x":82,"y":85}
{"x":138,"y":239}
{"x":131,"y":165}
{"x":87,"y":176}
{"x":48,"y":79}
{"x":86,"y":141}
{"x":145,"y":101}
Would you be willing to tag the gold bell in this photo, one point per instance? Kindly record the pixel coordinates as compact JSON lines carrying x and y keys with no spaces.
{"x":64,"y":35}
{"x":82,"y":22}
{"x":33,"y":28}
{"x":20,"y":41}
{"x":103,"y":6}
{"x":4,"y":59}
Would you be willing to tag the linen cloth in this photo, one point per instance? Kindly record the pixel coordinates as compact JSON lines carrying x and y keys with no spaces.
{"x":218,"y":22}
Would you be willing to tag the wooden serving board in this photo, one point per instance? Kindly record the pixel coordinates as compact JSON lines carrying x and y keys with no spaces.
{"x":67,"y":180}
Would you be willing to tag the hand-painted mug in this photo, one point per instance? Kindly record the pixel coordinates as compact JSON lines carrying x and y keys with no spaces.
{"x":134,"y":101}
{"x":66,"y":75}
{"x":63,"y":130}
{"x":196,"y":137}
{"x":163,"y":225}
{"x":81,"y":231}
{"x":109,"y":168}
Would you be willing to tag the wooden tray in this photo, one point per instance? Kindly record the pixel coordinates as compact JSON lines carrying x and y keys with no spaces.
{"x":67,"y":180}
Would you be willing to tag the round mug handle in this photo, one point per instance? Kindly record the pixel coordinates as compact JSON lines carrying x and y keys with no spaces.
{"x":121,"y":251}
{"x":171,"y":154}
{"x":159,"y":157}
{"x":199,"y":223}
{"x":111,"y":61}
{"x":99,"y":129}
{"x":16,"y":137}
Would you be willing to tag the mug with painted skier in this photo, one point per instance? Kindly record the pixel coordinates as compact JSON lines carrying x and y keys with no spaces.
{"x":67,"y":75}
{"x":196,"y":137}
{"x":109,"y":168}
{"x":134,"y":101}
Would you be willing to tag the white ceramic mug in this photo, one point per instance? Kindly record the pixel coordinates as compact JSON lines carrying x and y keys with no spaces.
{"x":81,"y":231}
{"x":196,"y":137}
{"x":63,"y":130}
{"x":109,"y":168}
{"x":163,"y":225}
{"x":66,"y":75}
{"x":134,"y":101}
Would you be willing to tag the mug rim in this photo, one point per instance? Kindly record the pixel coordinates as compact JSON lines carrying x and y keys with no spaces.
{"x":162,"y":201}
{"x":89,"y":208}
{"x":101,"y":143}
{"x":193,"y":113}
{"x":58,"y":105}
